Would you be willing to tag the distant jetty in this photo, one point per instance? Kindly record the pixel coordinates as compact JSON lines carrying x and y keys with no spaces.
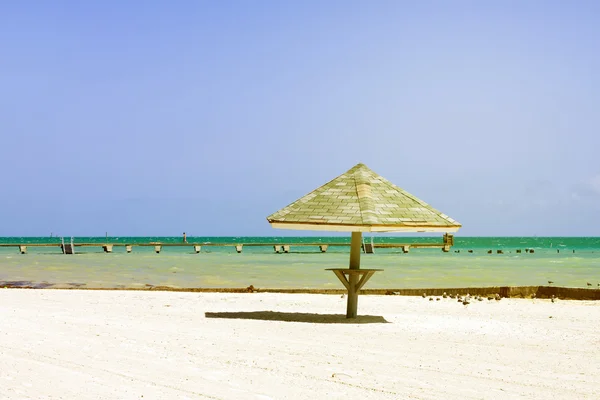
{"x":70,"y":247}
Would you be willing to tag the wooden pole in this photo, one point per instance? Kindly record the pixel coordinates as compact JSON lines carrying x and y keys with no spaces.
{"x":355,"y":243}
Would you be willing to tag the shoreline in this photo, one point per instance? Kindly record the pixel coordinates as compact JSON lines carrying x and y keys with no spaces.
{"x":541,"y":292}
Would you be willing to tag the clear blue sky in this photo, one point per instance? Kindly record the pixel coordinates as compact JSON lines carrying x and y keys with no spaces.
{"x":158,"y":117}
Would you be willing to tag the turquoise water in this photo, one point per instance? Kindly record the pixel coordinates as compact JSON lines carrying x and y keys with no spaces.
{"x":576,"y":263}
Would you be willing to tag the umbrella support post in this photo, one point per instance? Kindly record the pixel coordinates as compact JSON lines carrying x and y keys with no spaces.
{"x":353,"y":280}
{"x":353,"y":288}
{"x":352,"y":306}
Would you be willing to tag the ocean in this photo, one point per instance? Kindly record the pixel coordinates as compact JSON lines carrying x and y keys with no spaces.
{"x":567,"y":261}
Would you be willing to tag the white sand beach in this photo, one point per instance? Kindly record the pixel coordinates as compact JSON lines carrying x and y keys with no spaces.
{"x":72,"y":344}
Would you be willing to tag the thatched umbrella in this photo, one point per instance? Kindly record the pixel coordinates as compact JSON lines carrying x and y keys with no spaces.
{"x":360,"y":201}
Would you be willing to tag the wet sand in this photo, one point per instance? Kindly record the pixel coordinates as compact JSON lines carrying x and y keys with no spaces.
{"x":74,"y":344}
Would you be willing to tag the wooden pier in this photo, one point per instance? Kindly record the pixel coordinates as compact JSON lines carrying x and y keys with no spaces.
{"x":70,"y":248}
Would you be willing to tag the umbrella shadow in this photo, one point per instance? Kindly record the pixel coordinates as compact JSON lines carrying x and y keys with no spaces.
{"x":298,"y":317}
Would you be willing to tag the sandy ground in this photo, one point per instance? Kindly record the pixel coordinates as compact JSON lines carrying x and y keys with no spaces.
{"x":70,"y":344}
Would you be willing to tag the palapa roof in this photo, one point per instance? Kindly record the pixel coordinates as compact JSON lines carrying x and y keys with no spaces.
{"x":359,"y":200}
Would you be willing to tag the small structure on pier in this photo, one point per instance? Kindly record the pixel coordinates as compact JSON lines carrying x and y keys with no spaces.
{"x":369,"y":248}
{"x":67,"y":248}
{"x":361,"y":201}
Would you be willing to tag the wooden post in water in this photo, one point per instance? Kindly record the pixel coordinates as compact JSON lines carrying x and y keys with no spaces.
{"x":355,"y":244}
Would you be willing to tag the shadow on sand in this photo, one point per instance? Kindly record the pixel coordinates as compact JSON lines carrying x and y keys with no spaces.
{"x":298,"y":317}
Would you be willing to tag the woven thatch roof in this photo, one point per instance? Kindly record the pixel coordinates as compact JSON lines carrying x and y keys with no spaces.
{"x":361,"y":200}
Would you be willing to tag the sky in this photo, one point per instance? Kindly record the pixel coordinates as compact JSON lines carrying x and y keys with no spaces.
{"x":142,"y":118}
